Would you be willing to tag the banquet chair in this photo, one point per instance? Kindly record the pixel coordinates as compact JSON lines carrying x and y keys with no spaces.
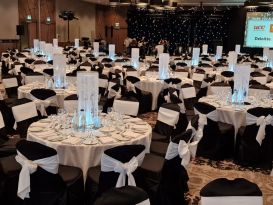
{"x":15,"y":68}
{"x":170,"y":87}
{"x":126,"y":106}
{"x":160,"y":147}
{"x":266,"y":72}
{"x":7,"y":145}
{"x":144,"y":98}
{"x":225,"y":192}
{"x":198,"y":76}
{"x":47,"y":184}
{"x":11,"y":84}
{"x":215,"y":139}
{"x":166,"y":177}
{"x":254,"y":141}
{"x":112,"y":171}
{"x":71,"y":103}
{"x":127,"y":195}
{"x":25,"y":113}
{"x":167,"y":119}
{"x":204,"y":88}
{"x":45,"y":100}
{"x":260,"y":91}
{"x":189,"y":95}
{"x":261,"y":78}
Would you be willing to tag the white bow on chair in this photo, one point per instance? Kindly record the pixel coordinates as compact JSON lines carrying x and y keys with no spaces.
{"x":262,"y":122}
{"x":126,"y":169}
{"x":41,"y":105}
{"x":50,"y":164}
{"x":186,"y":151}
{"x":202,"y":121}
{"x":115,"y":94}
{"x":130,"y":86}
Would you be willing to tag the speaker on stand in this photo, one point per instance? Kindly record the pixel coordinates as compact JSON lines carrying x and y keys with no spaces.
{"x":20,"y":31}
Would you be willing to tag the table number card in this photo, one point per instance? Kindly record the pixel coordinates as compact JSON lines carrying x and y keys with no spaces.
{"x":241,"y":83}
{"x":232,"y":60}
{"x":59,"y":68}
{"x":238,"y":49}
{"x":77,"y":43}
{"x":219,"y":52}
{"x":135,"y":57}
{"x":205,"y":49}
{"x":164,"y":59}
{"x":96,"y":46}
{"x":112,"y":51}
{"x":195,"y":56}
{"x":87,"y":90}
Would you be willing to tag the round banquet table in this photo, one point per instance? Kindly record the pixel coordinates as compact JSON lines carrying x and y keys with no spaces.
{"x":73,"y":149}
{"x":24,"y":92}
{"x":153,"y":85}
{"x":234,"y":114}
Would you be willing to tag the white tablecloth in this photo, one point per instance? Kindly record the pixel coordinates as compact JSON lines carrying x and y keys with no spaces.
{"x":85,"y":156}
{"x":232,"y":114}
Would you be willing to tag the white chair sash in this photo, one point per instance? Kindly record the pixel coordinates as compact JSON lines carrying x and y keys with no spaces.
{"x":183,"y":149}
{"x":188,"y":92}
{"x":126,"y":107}
{"x":116,"y":94}
{"x":262,"y":122}
{"x":24,"y":111}
{"x":41,"y":105}
{"x":50,"y":164}
{"x":109,"y":164}
{"x":10,"y":82}
{"x":202,"y":121}
{"x":103,"y":83}
{"x":198,"y":76}
{"x":167,"y":116}
{"x":130,"y":86}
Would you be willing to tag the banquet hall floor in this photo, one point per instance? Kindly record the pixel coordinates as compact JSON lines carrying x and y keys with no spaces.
{"x":201,"y":171}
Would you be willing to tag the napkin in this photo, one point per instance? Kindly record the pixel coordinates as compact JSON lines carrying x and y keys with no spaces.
{"x":130,"y":134}
{"x":40,"y":124}
{"x":46,"y":134}
{"x":139,"y":127}
{"x":106,"y":140}
{"x":72,"y":141}
{"x":118,"y":137}
{"x":132,"y":120}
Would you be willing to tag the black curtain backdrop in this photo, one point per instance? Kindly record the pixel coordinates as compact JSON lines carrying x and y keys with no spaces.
{"x":192,"y":27}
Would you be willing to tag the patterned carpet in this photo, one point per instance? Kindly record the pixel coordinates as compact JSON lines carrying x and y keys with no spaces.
{"x":201,"y":171}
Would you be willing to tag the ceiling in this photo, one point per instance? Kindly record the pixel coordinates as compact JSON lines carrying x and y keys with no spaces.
{"x":187,"y":2}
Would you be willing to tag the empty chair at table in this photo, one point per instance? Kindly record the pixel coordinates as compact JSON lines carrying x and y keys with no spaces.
{"x":34,"y":176}
{"x":45,"y":100}
{"x":11,"y":85}
{"x":25,"y":113}
{"x":198,"y":76}
{"x":214,"y":143}
{"x":113,"y":171}
{"x":189,"y":95}
{"x":254,"y":141}
{"x":225,"y":192}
